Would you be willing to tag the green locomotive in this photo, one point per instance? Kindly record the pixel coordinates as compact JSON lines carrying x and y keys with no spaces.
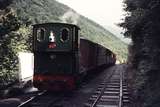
{"x":61,"y":57}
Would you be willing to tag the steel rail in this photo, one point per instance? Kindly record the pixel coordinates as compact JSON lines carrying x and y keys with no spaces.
{"x":105,"y":85}
{"x":121,"y":90}
{"x":49,"y":103}
{"x":31,"y":99}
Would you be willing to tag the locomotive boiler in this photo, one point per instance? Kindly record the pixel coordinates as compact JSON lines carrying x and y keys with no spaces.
{"x":61,"y":57}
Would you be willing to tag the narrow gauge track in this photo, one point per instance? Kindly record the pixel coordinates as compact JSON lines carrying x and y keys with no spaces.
{"x":42,"y":99}
{"x":112,"y":92}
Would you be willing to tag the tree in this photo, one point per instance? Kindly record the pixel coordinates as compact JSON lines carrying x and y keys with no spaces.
{"x":9,"y":22}
{"x":142,"y":24}
{"x":14,"y":37}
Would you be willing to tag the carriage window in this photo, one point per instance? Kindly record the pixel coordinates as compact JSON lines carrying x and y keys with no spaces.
{"x":64,"y":34}
{"x":41,"y":34}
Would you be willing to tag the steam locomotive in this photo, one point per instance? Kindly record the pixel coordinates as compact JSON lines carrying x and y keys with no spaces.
{"x":61,"y":57}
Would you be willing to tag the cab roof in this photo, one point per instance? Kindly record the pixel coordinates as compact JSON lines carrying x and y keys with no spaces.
{"x":42,"y":24}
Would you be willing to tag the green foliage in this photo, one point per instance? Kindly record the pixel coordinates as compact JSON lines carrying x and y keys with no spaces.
{"x":14,"y":37}
{"x":142,"y":24}
{"x":9,"y":23}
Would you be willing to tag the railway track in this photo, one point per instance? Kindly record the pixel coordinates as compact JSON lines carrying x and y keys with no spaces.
{"x":42,"y":99}
{"x":112,"y":92}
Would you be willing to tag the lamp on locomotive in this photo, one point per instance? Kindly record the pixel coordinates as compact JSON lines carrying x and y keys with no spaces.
{"x":52,"y":37}
{"x":52,"y":43}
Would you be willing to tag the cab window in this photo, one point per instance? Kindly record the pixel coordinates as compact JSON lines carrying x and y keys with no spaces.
{"x":64,"y":34}
{"x":41,"y":34}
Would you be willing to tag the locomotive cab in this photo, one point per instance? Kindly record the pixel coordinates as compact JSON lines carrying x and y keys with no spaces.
{"x":55,"y":54}
{"x":55,"y":37}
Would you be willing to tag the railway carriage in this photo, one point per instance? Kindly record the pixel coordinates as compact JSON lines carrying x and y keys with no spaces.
{"x":61,"y":57}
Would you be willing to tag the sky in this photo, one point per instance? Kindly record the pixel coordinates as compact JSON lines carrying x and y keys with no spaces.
{"x":104,"y":12}
{"x":107,"y":13}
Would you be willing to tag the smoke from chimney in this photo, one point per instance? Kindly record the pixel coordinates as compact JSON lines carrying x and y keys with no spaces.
{"x":70,"y":17}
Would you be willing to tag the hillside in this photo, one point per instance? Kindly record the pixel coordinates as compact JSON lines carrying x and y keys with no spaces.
{"x":40,"y":11}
